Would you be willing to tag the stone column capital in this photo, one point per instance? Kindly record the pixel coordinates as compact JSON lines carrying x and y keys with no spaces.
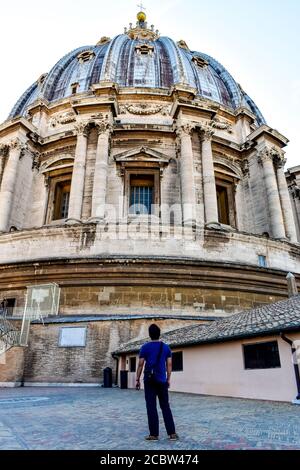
{"x":82,"y":128}
{"x":270,"y":154}
{"x":17,"y":144}
{"x":104,"y":127}
{"x":4,"y":149}
{"x":184,"y":129}
{"x":280,"y":163}
{"x":207,"y":131}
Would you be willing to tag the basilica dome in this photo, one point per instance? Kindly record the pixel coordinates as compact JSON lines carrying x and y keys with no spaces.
{"x":139,"y":58}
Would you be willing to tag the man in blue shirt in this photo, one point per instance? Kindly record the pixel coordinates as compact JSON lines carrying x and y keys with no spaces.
{"x":157,"y":358}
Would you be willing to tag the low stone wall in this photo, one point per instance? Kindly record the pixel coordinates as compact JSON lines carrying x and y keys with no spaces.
{"x":47,"y":362}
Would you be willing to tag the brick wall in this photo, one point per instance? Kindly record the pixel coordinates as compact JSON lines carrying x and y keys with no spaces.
{"x":46,"y":362}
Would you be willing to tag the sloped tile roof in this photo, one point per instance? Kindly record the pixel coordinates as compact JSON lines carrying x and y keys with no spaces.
{"x":273,"y":318}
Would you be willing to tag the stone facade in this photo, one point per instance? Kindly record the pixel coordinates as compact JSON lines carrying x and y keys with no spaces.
{"x":293,"y":180}
{"x":220,"y":235}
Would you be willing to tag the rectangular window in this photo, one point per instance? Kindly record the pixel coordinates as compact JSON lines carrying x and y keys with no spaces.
{"x":177,"y":361}
{"x":262,"y":355}
{"x":223,"y":206}
{"x":61,"y":200}
{"x":262,"y":261}
{"x":72,"y":337}
{"x":132,"y":364}
{"x":141,"y":194}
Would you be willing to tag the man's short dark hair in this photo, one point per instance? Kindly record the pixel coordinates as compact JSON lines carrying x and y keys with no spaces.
{"x":154,"y":331}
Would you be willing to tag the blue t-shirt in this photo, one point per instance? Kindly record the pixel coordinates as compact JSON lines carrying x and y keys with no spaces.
{"x":149,"y":352}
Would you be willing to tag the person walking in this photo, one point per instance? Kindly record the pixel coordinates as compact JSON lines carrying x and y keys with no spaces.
{"x":156,"y":356}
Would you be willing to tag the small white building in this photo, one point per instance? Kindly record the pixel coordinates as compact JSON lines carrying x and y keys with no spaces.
{"x":254,"y":354}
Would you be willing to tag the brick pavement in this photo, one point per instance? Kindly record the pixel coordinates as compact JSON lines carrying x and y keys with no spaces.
{"x":103,"y":419}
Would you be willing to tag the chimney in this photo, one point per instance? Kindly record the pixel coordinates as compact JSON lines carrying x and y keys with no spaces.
{"x":292,"y":285}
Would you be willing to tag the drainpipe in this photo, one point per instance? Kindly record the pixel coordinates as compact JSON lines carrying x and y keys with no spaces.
{"x":296,"y":367}
{"x":117,"y":368}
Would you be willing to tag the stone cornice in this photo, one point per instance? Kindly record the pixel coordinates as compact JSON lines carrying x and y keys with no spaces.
{"x":245,"y":112}
{"x":265,"y":130}
{"x":16,"y":124}
{"x":39,"y":105}
{"x":83,"y":106}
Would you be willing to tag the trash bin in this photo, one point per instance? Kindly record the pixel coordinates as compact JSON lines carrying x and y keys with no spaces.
{"x":124,"y":378}
{"x":107,"y":377}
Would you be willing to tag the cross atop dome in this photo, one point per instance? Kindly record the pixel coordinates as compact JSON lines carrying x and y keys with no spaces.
{"x":141,"y":7}
{"x":141,"y":30}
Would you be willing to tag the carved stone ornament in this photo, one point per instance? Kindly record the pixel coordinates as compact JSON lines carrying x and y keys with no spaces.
{"x":103,"y":126}
{"x":271,"y":153}
{"x":183,"y":129}
{"x":62,"y":119}
{"x":82,"y":128}
{"x":36,"y":160}
{"x":207,"y":130}
{"x":245,"y":168}
{"x":18,"y":145}
{"x":222,"y":125}
{"x":4,"y":149}
{"x":100,"y":116}
{"x":142,"y":109}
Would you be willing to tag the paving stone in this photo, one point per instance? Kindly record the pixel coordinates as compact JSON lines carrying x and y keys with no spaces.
{"x":107,"y":419}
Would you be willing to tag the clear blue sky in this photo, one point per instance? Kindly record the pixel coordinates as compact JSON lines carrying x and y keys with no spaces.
{"x":257,"y":41}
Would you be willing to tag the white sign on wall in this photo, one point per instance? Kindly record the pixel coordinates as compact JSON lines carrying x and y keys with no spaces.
{"x":72,"y":337}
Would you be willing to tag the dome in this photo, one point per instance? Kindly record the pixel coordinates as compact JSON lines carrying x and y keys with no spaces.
{"x":139,"y":58}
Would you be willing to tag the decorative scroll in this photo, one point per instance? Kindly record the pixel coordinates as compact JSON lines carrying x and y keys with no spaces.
{"x":144,"y":109}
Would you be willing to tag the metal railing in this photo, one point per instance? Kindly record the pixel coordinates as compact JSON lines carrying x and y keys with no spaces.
{"x":9,"y":335}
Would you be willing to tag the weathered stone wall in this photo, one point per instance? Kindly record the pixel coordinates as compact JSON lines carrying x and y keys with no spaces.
{"x":164,"y":300}
{"x":12,"y":367}
{"x":46,"y":362}
{"x":69,"y":242}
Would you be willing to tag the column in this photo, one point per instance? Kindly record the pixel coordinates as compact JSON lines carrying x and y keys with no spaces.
{"x":276,"y":219}
{"x":78,"y":176}
{"x":188,"y":193}
{"x":3,"y":154}
{"x":209,"y":182}
{"x":100,"y":176}
{"x":16,"y":148}
{"x":285,"y":200}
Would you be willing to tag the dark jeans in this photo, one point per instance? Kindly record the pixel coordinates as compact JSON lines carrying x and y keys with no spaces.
{"x":161,"y":391}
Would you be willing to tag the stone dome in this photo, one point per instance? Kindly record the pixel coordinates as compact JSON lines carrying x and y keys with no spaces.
{"x":139,"y":58}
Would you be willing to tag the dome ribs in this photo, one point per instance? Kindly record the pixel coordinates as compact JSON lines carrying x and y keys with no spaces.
{"x":122,"y":61}
{"x":98,"y":63}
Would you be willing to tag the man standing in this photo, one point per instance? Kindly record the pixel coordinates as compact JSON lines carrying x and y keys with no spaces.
{"x":157,"y":358}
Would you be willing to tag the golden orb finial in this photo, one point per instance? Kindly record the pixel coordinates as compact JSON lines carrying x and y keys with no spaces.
{"x":141,"y":16}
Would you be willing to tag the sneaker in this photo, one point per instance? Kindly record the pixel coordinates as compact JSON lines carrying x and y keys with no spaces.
{"x":151,"y":438}
{"x":174,"y":437}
